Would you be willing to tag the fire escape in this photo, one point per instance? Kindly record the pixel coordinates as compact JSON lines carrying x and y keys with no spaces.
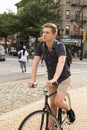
{"x":79,"y":20}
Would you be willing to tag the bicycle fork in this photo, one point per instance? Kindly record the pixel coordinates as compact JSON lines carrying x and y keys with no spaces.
{"x":44,"y":119}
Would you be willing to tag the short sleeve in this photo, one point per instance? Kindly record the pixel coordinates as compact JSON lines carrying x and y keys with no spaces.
{"x":61,"y":50}
{"x":38,"y":51}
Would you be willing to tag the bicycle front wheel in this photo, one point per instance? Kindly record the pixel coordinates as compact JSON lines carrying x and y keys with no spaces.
{"x":38,"y":120}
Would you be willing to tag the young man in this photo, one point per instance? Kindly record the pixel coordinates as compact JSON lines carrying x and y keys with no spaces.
{"x":57,"y":68}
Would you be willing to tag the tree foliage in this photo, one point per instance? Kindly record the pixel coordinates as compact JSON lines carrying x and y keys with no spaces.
{"x":30,"y":19}
{"x":35,"y":14}
{"x":6,"y":20}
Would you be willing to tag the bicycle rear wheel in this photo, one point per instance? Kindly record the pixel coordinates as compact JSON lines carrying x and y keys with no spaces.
{"x":38,"y":120}
{"x":62,"y":114}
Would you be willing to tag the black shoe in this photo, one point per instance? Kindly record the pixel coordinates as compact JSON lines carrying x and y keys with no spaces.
{"x":71,"y":115}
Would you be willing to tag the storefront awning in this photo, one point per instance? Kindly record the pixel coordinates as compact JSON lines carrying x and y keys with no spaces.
{"x":71,"y":41}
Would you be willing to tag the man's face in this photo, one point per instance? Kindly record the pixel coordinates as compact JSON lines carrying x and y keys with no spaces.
{"x":47,"y":34}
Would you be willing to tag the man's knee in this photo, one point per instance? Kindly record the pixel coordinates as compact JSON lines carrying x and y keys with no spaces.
{"x":59,"y":98}
{"x":52,"y":102}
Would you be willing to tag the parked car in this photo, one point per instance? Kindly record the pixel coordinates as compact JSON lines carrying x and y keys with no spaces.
{"x":12,"y":51}
{"x":2,"y":53}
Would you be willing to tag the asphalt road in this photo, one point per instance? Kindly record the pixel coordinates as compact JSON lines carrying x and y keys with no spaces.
{"x":10,"y":69}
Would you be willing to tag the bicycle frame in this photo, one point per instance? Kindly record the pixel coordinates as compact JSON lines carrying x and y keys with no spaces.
{"x":45,"y":116}
{"x":45,"y":109}
{"x":46,"y":105}
{"x":48,"y":109}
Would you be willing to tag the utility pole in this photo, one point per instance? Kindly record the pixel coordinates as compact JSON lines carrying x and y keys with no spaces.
{"x":81,"y":55}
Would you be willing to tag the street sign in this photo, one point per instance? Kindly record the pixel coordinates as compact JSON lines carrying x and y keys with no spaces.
{"x":71,"y":41}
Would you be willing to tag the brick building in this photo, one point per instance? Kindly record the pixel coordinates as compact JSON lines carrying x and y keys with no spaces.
{"x":72,"y":23}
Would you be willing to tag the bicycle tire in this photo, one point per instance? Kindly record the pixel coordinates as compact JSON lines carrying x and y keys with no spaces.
{"x":62,"y":114}
{"x":37,"y":121}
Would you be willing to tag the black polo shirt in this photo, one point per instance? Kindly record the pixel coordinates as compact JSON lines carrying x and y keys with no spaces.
{"x":51,"y":60}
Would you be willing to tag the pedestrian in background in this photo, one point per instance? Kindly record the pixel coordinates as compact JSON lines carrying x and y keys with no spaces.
{"x":23,"y":58}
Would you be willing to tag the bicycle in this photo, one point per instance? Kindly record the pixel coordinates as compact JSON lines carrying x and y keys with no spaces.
{"x":38,"y":120}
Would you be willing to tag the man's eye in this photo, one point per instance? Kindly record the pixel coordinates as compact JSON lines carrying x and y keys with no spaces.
{"x":46,"y":32}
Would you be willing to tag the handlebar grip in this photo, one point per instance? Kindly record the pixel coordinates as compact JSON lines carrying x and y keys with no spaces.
{"x":34,"y":85}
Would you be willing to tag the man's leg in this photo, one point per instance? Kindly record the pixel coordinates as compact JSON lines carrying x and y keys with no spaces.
{"x":24,"y":66}
{"x":53,"y":107}
{"x":54,"y":111}
{"x":59,"y":99}
{"x":21,"y":65}
{"x":60,"y":102}
{"x":61,"y":92}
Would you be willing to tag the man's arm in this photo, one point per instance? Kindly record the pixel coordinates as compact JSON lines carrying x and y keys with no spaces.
{"x":34,"y":70}
{"x":59,"y":69}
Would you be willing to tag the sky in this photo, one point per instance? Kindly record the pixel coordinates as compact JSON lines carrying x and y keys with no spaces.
{"x":6,"y":5}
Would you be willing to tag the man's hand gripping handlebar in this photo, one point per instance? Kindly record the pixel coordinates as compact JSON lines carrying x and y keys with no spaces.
{"x":32,"y":85}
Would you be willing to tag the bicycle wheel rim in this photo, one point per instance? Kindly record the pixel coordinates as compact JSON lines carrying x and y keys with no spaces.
{"x":34,"y":121}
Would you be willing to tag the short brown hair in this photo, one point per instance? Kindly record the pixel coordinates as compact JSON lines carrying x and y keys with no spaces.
{"x":52,"y":26}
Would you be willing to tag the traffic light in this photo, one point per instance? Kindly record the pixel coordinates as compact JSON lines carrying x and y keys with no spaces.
{"x":84,"y":36}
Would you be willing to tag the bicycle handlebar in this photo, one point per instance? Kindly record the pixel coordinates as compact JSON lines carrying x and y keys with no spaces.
{"x":35,"y":84}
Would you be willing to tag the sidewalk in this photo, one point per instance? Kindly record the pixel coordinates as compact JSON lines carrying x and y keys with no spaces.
{"x":12,"y":119}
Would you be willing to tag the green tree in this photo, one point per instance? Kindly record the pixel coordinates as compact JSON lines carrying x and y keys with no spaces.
{"x":35,"y":14}
{"x":29,"y":20}
{"x":5,"y":21}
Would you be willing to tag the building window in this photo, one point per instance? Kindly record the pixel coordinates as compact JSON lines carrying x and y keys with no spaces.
{"x":77,"y":1}
{"x":67,"y":30}
{"x":77,"y":15}
{"x":67,"y":14}
{"x":67,"y":1}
